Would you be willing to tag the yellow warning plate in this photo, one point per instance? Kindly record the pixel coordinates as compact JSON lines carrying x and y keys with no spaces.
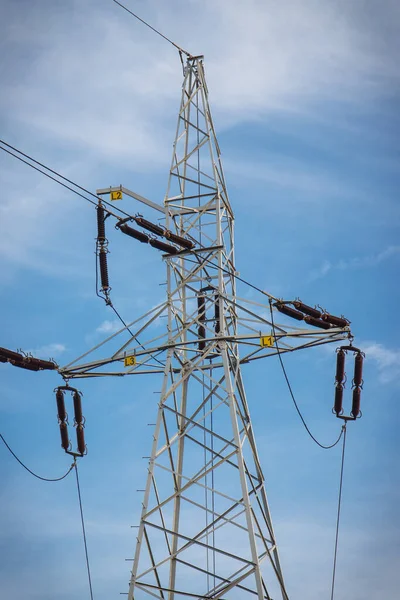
{"x":266,"y":341}
{"x":129,"y":361}
{"x":116,"y":195}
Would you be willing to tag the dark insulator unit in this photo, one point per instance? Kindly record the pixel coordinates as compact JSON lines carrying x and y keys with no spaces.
{"x":308,"y":310}
{"x":340,"y":360}
{"x":177,"y":239}
{"x":80,"y":436}
{"x":149,"y":226}
{"x":9,"y":354}
{"x":3,"y":359}
{"x":163,"y":246}
{"x":105,"y":285}
{"x":290,"y":312}
{"x":28,"y":364}
{"x":338,"y":400}
{"x":35,"y":363}
{"x":217,"y":326}
{"x":355,"y":408}
{"x":77,"y":407}
{"x":61,"y":412}
{"x":201,"y":330}
{"x":138,"y":235}
{"x":101,"y":228}
{"x":47,"y":365}
{"x":358,"y":369}
{"x":317,"y":322}
{"x":336,"y":321}
{"x":64,"y":436}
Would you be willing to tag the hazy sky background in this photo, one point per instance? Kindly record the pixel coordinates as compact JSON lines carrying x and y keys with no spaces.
{"x":305,"y":99}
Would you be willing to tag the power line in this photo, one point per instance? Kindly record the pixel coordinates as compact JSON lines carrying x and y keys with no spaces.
{"x":292,"y":394}
{"x":29,"y":470}
{"x":83,"y":530}
{"x":61,"y":177}
{"x":153,"y":29}
{"x":105,"y":202}
{"x":344,"y":430}
{"x":251,"y":285}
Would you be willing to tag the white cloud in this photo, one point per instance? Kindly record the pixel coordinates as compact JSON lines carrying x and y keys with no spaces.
{"x":260,"y":57}
{"x":386,"y":359}
{"x":358,"y":262}
{"x":48,"y":351}
{"x":109,"y":327}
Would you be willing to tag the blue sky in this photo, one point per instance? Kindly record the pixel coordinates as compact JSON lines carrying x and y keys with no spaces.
{"x":305,"y":101}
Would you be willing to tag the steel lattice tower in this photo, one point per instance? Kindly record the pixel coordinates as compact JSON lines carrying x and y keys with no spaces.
{"x":205,"y":528}
{"x":205,"y":525}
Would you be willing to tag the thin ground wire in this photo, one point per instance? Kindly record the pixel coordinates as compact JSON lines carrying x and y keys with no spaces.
{"x":134,"y":337}
{"x":83,"y":530}
{"x":344,"y":430}
{"x":292,"y":394}
{"x":251,"y":285}
{"x":75,"y":192}
{"x":108,"y":204}
{"x":153,"y":28}
{"x":61,"y":177}
{"x":29,"y":470}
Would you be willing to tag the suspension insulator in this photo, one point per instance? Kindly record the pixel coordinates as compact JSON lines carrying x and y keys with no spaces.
{"x":358,"y":369}
{"x":308,"y":310}
{"x":134,"y":233}
{"x":149,"y":226}
{"x":80,"y":437}
{"x":177,"y":239}
{"x":168,"y":248}
{"x":290,"y":312}
{"x":10,"y":355}
{"x":101,"y":227}
{"x":340,"y":361}
{"x":105,"y":285}
{"x":217,"y":326}
{"x":3,"y":359}
{"x":201,"y":330}
{"x":338,"y":400}
{"x":317,"y":322}
{"x":77,"y":408}
{"x":336,"y":321}
{"x":355,"y":408}
{"x":64,"y":436}
{"x":61,"y":412}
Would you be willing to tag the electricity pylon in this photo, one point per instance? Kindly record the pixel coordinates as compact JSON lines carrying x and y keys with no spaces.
{"x":205,"y":529}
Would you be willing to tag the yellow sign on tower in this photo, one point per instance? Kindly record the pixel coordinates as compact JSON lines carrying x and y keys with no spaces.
{"x":129,"y":361}
{"x":266,"y":341}
{"x":117,"y":195}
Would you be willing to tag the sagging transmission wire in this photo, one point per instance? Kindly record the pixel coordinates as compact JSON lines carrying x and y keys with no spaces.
{"x":73,"y":466}
{"x":29,"y":470}
{"x":292,"y":394}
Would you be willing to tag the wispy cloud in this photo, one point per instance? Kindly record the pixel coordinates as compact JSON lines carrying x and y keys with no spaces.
{"x":49,"y":350}
{"x":265,"y":58}
{"x":386,"y":359}
{"x":357,"y":262}
{"x":109,"y":326}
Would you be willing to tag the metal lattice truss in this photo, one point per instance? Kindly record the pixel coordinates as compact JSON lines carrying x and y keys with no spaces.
{"x":205,"y":528}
